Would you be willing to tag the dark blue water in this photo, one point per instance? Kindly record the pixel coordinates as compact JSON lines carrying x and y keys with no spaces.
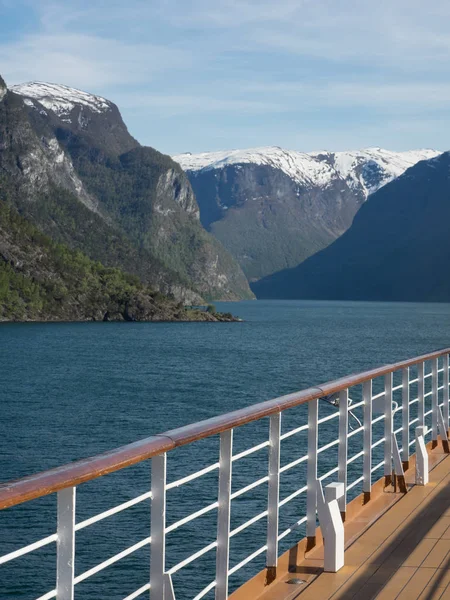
{"x":73,"y":390}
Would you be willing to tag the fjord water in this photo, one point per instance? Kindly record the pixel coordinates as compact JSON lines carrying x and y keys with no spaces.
{"x":72,"y":390}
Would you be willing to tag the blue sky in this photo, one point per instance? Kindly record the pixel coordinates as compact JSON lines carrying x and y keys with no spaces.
{"x":197,"y":75}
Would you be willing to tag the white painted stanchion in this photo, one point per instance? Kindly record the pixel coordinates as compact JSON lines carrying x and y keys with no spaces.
{"x":273,"y":498}
{"x":405,"y":418}
{"x":161,"y":584}
{"x":434,"y":400}
{"x":343,"y":449}
{"x":223,"y":514}
{"x":445,"y":391}
{"x":388,"y":428}
{"x":65,"y":544}
{"x":331,"y":525}
{"x":311,"y":492}
{"x":421,"y":457}
{"x":367,"y":468}
{"x":420,"y":393}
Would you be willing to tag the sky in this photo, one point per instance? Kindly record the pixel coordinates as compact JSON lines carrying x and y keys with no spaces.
{"x":200,"y":75}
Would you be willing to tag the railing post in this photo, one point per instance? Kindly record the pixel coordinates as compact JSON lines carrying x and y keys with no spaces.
{"x":158,"y":527}
{"x":223,"y":514}
{"x":420,"y":394}
{"x":421,"y":457}
{"x":388,"y":429}
{"x":65,"y":545}
{"x":405,"y":418}
{"x":367,"y":444}
{"x":434,"y":402}
{"x":445,"y":383}
{"x":343,"y":446}
{"x":311,"y":492}
{"x":331,"y":525}
{"x":273,"y":497}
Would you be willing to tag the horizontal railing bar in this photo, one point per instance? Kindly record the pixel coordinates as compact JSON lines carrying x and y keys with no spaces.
{"x":428,"y":412}
{"x":398,"y":409}
{"x":192,"y":516}
{"x":47,"y":482}
{"x":428,"y":394}
{"x":248,"y":523}
{"x":414,"y":421}
{"x":429,"y":432}
{"x":335,"y":470}
{"x":376,"y":467}
{"x":414,"y":381}
{"x":294,"y":463}
{"x":414,"y":401}
{"x":412,"y":442}
{"x":355,"y":457}
{"x":192,"y":476}
{"x":378,"y":443}
{"x":205,"y":590}
{"x":377,"y":396}
{"x":380,"y":418}
{"x":355,"y":431}
{"x":112,"y":511}
{"x":333,"y":415}
{"x":327,"y":446}
{"x":48,"y":596}
{"x":293,"y":432}
{"x":398,"y":430}
{"x":250,"y":451}
{"x":138,"y":592}
{"x":193,"y":557}
{"x":292,"y":528}
{"x":112,"y":560}
{"x":355,"y":483}
{"x":428,"y":375}
{"x":249,"y":487}
{"x":26,"y":549}
{"x":357,"y":405}
{"x":397,"y":387}
{"x":247,"y":560}
{"x":293,"y":495}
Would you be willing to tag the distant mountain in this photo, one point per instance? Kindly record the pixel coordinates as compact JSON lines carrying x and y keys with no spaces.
{"x":273,"y":208}
{"x":72,"y":168}
{"x":398,"y":247}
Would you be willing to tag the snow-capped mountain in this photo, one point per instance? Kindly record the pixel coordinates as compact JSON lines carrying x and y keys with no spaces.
{"x":272,"y":208}
{"x":78,"y":112}
{"x":369,"y":168}
{"x":61,"y":99}
{"x":83,"y":179}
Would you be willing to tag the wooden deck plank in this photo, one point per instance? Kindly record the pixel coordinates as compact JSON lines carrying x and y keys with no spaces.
{"x":405,"y":555}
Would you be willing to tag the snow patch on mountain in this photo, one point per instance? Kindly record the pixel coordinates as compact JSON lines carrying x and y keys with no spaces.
{"x":61,"y":99}
{"x":367,"y":169}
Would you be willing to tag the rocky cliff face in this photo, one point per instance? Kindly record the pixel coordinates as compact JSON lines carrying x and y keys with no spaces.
{"x":273,"y":208}
{"x":398,"y":247}
{"x":85,"y":181}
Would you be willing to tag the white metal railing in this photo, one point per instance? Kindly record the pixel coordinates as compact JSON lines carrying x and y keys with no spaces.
{"x":377,"y":437}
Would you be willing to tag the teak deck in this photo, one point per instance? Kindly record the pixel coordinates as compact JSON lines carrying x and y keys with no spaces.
{"x":397,"y":546}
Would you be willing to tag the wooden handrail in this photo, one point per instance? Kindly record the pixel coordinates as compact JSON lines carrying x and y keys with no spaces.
{"x":53,"y":480}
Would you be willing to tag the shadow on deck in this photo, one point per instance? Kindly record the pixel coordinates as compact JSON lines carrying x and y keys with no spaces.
{"x":397,"y":546}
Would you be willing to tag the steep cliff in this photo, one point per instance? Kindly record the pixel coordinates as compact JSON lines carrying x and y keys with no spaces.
{"x":82,"y":178}
{"x":398,"y":247}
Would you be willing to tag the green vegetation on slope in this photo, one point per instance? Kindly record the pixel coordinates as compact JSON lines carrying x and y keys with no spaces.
{"x":44,"y":280}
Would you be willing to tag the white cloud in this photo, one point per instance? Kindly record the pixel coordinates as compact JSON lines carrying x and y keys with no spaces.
{"x":86,"y":61}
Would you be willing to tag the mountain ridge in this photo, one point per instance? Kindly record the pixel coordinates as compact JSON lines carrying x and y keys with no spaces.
{"x":135,"y":194}
{"x":273,"y":208}
{"x":397,"y":248}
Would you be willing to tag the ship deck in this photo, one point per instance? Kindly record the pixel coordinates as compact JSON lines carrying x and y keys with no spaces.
{"x":397,"y":546}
